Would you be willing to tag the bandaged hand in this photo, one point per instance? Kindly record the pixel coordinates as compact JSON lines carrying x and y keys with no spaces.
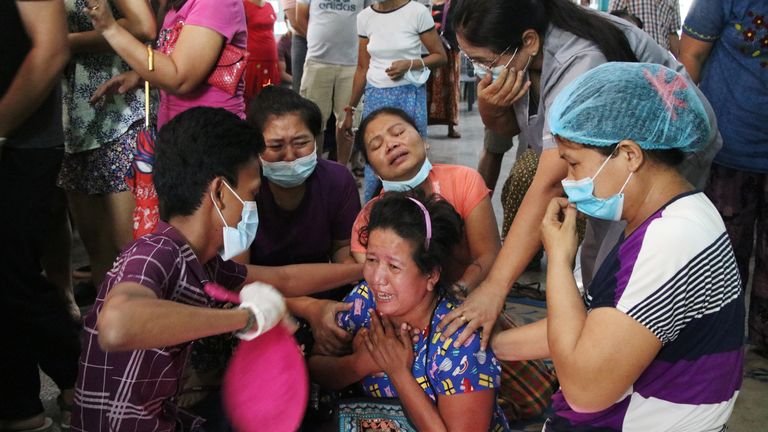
{"x":267,"y":305}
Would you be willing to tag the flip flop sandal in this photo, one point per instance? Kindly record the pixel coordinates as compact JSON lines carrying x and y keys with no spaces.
{"x":531,"y":291}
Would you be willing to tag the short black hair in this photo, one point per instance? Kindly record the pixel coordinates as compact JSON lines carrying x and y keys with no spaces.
{"x":396,"y":212}
{"x":360,"y":135}
{"x":278,"y":101}
{"x":629,"y":16}
{"x":194,"y":148}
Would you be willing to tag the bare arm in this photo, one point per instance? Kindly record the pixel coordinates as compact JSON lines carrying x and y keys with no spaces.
{"x":133,"y":318}
{"x":339,"y":372}
{"x":437,"y":56}
{"x":303,"y":279}
{"x":190,"y":63}
{"x":693,"y":54}
{"x":599,"y":355}
{"x":523,"y":240}
{"x":301,"y":21}
{"x":285,"y":77}
{"x":484,"y":242}
{"x":674,"y":44}
{"x":528,"y":342}
{"x":358,"y":83}
{"x":138,"y":19}
{"x":46,"y":26}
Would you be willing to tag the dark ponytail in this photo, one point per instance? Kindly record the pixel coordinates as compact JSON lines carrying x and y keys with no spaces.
{"x":498,"y":24}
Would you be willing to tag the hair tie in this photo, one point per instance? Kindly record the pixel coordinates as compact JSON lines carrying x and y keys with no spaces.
{"x":427,"y":221}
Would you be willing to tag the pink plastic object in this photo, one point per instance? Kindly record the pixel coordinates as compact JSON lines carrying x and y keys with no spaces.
{"x":266,"y":384}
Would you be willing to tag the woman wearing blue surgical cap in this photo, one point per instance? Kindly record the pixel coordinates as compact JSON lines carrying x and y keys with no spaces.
{"x":656,"y":342}
{"x":526,"y":52}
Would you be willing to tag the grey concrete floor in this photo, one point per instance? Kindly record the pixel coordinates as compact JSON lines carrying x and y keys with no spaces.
{"x":751,"y":411}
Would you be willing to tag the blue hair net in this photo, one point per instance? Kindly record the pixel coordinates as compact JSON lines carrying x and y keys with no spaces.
{"x":647,"y":103}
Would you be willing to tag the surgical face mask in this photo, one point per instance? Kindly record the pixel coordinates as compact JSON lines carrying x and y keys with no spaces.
{"x":581,"y":193}
{"x":482,"y":70}
{"x":238,"y":240}
{"x":290,"y":174}
{"x":413,"y":183}
{"x":417,"y":79}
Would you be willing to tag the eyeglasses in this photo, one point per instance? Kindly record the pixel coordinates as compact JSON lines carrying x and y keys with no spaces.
{"x":486,"y":67}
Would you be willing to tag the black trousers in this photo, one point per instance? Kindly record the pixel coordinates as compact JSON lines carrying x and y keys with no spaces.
{"x":38,"y":329}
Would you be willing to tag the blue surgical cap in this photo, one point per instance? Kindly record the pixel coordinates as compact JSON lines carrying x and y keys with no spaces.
{"x":648,"y":103}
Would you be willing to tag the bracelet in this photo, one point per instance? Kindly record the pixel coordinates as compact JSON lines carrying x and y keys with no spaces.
{"x":349,"y":109}
{"x":249,"y":324}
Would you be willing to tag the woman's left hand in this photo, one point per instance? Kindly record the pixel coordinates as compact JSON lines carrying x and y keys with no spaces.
{"x":398,"y":68}
{"x":101,"y":15}
{"x":558,"y":231}
{"x":389,"y":345}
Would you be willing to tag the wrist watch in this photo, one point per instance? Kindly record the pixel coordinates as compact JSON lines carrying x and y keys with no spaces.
{"x":249,"y":324}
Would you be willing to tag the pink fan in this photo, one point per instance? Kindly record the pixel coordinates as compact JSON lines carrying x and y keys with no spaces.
{"x":266,"y":384}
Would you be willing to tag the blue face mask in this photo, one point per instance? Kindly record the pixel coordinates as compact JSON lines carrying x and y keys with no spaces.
{"x":417,"y":79}
{"x":481,"y":70}
{"x":581,"y":193}
{"x":405,"y":186}
{"x":290,"y":174}
{"x":238,"y":240}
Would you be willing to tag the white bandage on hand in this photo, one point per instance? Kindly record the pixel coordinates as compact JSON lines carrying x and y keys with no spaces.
{"x":267,"y":305}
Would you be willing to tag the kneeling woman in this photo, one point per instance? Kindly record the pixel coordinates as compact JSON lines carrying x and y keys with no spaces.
{"x":409,"y":240}
{"x":659,"y":345}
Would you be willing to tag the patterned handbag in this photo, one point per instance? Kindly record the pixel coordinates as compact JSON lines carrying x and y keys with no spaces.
{"x":229,"y":68}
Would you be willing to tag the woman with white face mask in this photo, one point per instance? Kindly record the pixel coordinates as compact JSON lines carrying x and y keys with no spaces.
{"x":661,"y":327}
{"x":306,"y":205}
{"x":392,"y":145}
{"x":526,"y":52}
{"x":390,"y":69}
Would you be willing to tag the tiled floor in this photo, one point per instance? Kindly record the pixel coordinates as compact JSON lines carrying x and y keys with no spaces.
{"x":751,"y":412}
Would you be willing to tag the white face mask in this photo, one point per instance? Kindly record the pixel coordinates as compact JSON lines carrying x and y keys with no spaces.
{"x":290,"y":174}
{"x":417,"y":79}
{"x":238,"y":240}
{"x":413,"y":183}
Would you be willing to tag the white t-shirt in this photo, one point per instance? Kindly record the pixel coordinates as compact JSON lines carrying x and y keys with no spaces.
{"x":331,"y":36}
{"x":393,"y":35}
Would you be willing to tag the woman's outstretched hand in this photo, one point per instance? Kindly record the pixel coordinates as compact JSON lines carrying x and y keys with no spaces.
{"x":480,"y":310}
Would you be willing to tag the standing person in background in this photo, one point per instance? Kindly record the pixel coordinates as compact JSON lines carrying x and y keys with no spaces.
{"x":284,"y":59}
{"x":390,"y":69}
{"x":298,"y":43}
{"x":660,"y":18}
{"x":39,"y":333}
{"x":331,"y":59}
{"x":262,"y":67}
{"x":443,"y":85}
{"x":203,"y":28}
{"x":100,"y":140}
{"x":721,"y":49}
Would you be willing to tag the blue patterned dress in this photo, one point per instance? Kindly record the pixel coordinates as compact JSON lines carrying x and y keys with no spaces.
{"x":440,"y":369}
